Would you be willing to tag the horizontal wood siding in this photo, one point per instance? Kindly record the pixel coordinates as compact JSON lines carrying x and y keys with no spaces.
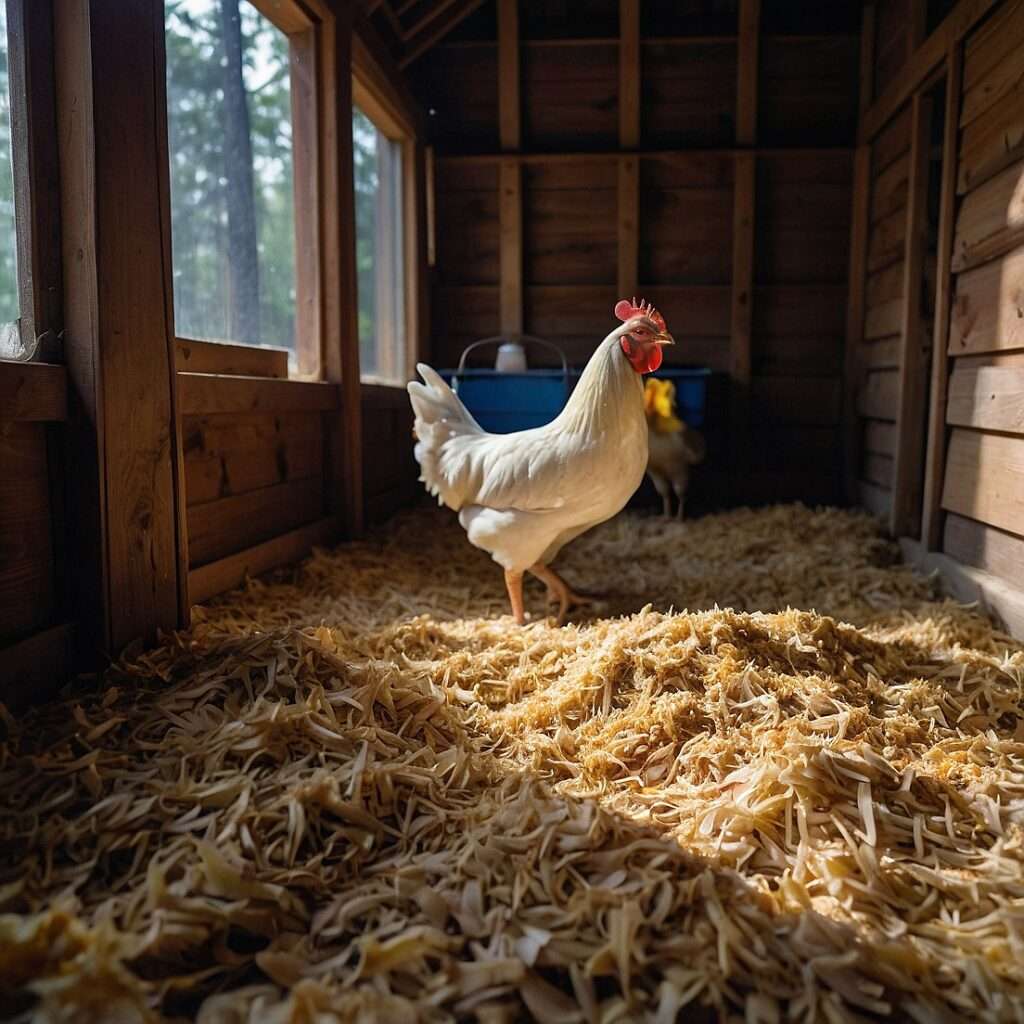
{"x":391,"y":478}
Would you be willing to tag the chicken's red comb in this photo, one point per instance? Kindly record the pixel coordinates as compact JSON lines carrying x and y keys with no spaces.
{"x":626,"y":310}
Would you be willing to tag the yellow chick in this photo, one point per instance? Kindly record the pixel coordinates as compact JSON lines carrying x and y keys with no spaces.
{"x":672,"y":447}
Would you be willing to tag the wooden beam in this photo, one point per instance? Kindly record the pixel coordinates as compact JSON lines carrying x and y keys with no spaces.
{"x":629,"y":226}
{"x":510,"y":212}
{"x":608,"y":155}
{"x":433,"y":11}
{"x":935,"y":456}
{"x":747,"y":64}
{"x":907,"y":487}
{"x":193,"y":356}
{"x":509,"y":120}
{"x":629,"y":74}
{"x":120,"y":342}
{"x":33,"y":391}
{"x":855,"y":317}
{"x":744,"y":206}
{"x":227,"y":573}
{"x":202,"y":394}
{"x":338,"y":291}
{"x":925,"y":60}
{"x":867,"y":59}
{"x":419,"y":46}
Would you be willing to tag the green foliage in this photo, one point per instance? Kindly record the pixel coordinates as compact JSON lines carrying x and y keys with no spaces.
{"x":366,"y":173}
{"x":195,"y":98}
{"x":8,"y":241}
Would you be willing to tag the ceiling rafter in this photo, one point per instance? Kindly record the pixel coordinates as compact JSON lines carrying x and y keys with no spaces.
{"x":412,"y":27}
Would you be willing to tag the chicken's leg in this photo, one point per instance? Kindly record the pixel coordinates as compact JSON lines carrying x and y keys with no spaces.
{"x":567,"y":598}
{"x":514,"y":585}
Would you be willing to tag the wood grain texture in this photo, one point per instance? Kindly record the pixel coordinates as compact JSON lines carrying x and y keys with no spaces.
{"x":889,"y":192}
{"x":985,"y":478}
{"x":991,"y":219}
{"x":628,"y":226}
{"x":629,"y":74}
{"x":228,"y":525}
{"x":992,"y":60}
{"x":511,"y":248}
{"x":984,"y":547}
{"x":509,"y":118}
{"x":741,"y":318}
{"x":205,"y":393}
{"x":994,"y":140}
{"x":27,"y":570}
{"x":193,"y":356}
{"x":887,"y":240}
{"x":748,"y":70}
{"x":987,"y":398}
{"x":287,"y":548}
{"x":33,"y":392}
{"x":988,"y":307}
{"x":884,"y":320}
{"x":879,"y":395}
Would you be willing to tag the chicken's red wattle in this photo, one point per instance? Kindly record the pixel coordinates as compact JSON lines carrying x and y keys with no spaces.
{"x":643,"y":358}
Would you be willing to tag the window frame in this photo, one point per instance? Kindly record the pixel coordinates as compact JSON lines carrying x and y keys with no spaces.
{"x":301,"y":27}
{"x":374,"y":95}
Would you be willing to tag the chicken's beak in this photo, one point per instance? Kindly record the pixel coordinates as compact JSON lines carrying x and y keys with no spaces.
{"x":664,"y":338}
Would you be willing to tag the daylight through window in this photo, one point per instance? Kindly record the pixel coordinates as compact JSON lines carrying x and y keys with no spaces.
{"x":379,"y":251}
{"x":232,"y":189}
{"x":10,"y":339}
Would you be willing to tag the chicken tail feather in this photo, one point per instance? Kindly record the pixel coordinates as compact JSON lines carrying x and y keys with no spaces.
{"x":440,"y":416}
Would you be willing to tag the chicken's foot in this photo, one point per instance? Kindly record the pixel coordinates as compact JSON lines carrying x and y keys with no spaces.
{"x":514,"y":585}
{"x":559,"y":590}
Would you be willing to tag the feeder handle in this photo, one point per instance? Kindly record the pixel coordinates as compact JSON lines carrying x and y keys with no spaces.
{"x":520,"y":337}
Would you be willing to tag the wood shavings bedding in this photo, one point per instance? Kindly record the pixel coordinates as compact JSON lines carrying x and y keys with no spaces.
{"x":353,"y":793}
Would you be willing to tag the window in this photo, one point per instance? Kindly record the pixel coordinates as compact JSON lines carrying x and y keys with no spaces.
{"x":11,"y":346}
{"x":233,"y":189}
{"x":380,"y":251}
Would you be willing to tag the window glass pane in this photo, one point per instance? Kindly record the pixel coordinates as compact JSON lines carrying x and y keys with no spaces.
{"x":10,"y":342}
{"x":380,"y":260}
{"x":232,"y":204}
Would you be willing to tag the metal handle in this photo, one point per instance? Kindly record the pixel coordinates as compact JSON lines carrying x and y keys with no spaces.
{"x":501,"y":339}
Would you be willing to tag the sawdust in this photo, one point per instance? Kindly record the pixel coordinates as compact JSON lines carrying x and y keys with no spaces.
{"x":355,"y":793}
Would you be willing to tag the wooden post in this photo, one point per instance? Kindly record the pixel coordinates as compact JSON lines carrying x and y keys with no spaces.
{"x":628,"y":276}
{"x":119,"y":344}
{"x":510,"y":176}
{"x":857,"y":270}
{"x":931,"y":512}
{"x":743,"y":226}
{"x":906,"y":498}
{"x":338,"y":293}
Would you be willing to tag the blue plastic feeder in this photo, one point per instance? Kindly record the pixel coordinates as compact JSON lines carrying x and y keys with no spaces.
{"x":503,"y":403}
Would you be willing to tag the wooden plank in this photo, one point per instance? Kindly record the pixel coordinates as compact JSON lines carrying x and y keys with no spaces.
{"x":994,"y":140}
{"x":889,"y":192}
{"x":879,"y":437}
{"x":27,"y":571}
{"x":993,"y":60}
{"x":228,"y":525}
{"x":879,"y":396}
{"x":629,"y":75}
{"x":206,"y":393}
{"x":1003,"y":601}
{"x":510,"y":122}
{"x":338,"y":291}
{"x":857,"y":279}
{"x":987,"y":398}
{"x":985,"y":478}
{"x":230,"y":572}
{"x":892,"y":142}
{"x":193,"y":356}
{"x":34,"y":392}
{"x":35,"y":668}
{"x":991,"y":219}
{"x":984,"y":547}
{"x":910,"y":442}
{"x":511,"y":248}
{"x":882,"y":355}
{"x":925,"y":60}
{"x":795,"y":400}
{"x":987,"y":307}
{"x":885,"y":320}
{"x":877,"y":500}
{"x":629,"y":226}
{"x":878,"y":469}
{"x":884,"y":285}
{"x":887,"y":240}
{"x":744,"y":215}
{"x":432,"y":36}
{"x":747,"y":64}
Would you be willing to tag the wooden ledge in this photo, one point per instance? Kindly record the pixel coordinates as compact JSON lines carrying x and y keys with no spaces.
{"x":204,"y":394}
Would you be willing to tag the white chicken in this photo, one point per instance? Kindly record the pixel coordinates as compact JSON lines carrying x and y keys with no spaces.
{"x":523,"y":496}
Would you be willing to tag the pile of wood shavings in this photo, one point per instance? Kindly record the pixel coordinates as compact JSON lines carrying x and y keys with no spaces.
{"x":356,"y":794}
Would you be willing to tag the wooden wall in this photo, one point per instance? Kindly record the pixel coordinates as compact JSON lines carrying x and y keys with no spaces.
{"x":390,"y":472}
{"x":738,"y":121}
{"x":983,"y":486}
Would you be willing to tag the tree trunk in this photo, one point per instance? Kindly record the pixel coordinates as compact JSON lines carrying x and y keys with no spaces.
{"x":243,"y":266}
